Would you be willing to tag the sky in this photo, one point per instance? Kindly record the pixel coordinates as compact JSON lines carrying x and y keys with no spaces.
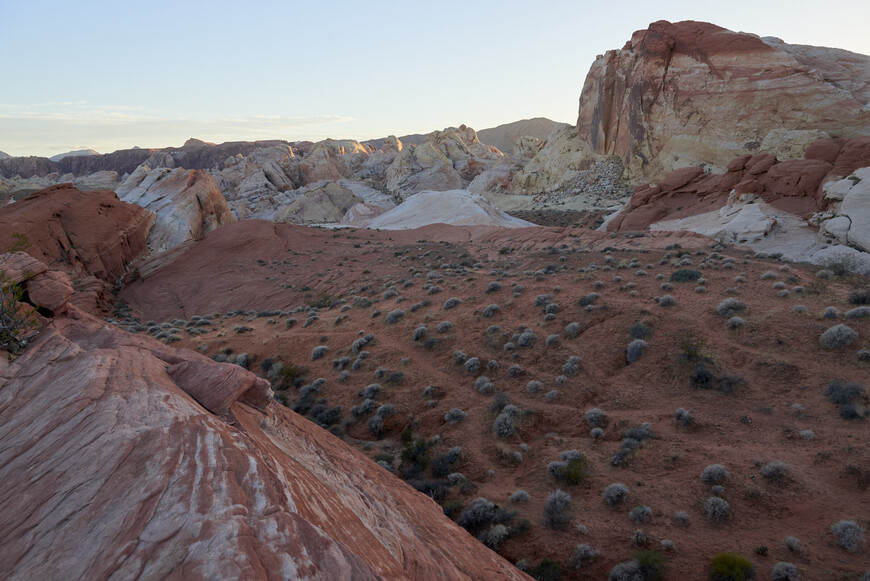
{"x":113,"y":75}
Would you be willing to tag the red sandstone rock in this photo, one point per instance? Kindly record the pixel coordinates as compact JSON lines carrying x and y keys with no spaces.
{"x":217,"y":386}
{"x":50,"y":290}
{"x":110,"y":469}
{"x":20,"y":266}
{"x":84,"y":233}
{"x":799,"y":181}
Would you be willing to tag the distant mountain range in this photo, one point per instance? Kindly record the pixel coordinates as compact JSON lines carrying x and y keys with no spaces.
{"x":502,"y":137}
{"x":76,"y":153}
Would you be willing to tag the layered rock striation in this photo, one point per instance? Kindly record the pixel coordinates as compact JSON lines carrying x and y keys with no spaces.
{"x":125,"y":458}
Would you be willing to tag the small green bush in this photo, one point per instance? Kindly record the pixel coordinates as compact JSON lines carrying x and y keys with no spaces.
{"x":547,"y":570}
{"x":651,"y":563}
{"x":685,"y":275}
{"x":731,"y":567}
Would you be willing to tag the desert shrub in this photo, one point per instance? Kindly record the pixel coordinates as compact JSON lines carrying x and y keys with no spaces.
{"x":857,"y":313}
{"x":420,"y":332}
{"x":783,"y":571}
{"x":556,"y":508}
{"x":572,"y":330}
{"x":519,"y":496}
{"x":615,"y":493}
{"x":683,"y":416}
{"x":735,"y":322}
{"x":376,"y":425}
{"x":451,"y":303}
{"x":472,"y":365}
{"x":634,"y":350}
{"x":849,"y":396}
{"x":799,"y":309}
{"x":717,"y":509}
{"x":714,"y":473}
{"x":574,"y":468}
{"x":490,"y":310}
{"x":372,"y":390}
{"x":503,"y":425}
{"x":552,"y":395}
{"x":494,"y":536}
{"x":729,"y":307}
{"x":651,"y":564}
{"x":640,"y":513}
{"x":572,"y":366}
{"x":667,"y":301}
{"x":731,"y":567}
{"x":483,"y":385}
{"x":685,"y":275}
{"x":626,"y":571}
{"x":526,"y":338}
{"x":543,"y":300}
{"x":534,"y":386}
{"x":702,"y":376}
{"x":547,"y":570}
{"x":589,"y":299}
{"x":831,"y":313}
{"x":639,"y":433}
{"x":840,"y":393}
{"x":492,"y":287}
{"x":807,"y":434}
{"x":583,"y":554}
{"x":793,"y":544}
{"x":596,"y":433}
{"x":319,"y":352}
{"x":837,"y":336}
{"x":861,"y":297}
{"x":552,"y":340}
{"x":667,"y":545}
{"x":595,"y":417}
{"x":477,"y":514}
{"x":459,"y":357}
{"x":444,"y":326}
{"x":849,"y":535}
{"x":681,"y":517}
{"x":442,"y":463}
{"x":454,"y":416}
{"x":394,"y":316}
{"x":775,"y":471}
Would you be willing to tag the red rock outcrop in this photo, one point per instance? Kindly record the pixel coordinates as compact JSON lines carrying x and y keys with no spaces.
{"x":112,"y":469}
{"x":691,"y":92}
{"x":795,"y":185}
{"x":83,"y":233}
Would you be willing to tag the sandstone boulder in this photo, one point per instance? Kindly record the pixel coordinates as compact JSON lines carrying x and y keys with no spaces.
{"x":187,"y":204}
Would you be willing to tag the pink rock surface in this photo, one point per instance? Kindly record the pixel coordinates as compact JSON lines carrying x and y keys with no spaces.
{"x":112,"y":470}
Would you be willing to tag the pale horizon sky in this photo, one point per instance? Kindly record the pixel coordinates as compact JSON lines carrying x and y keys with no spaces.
{"x":113,"y":75}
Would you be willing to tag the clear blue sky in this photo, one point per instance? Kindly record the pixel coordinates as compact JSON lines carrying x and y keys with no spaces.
{"x":111,"y":75}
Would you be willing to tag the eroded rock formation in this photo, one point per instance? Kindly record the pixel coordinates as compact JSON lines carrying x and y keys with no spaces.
{"x":690,"y":92}
{"x":126,"y":458}
{"x":187,"y":204}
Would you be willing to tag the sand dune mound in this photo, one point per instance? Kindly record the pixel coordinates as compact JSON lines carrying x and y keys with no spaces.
{"x":455,"y":207}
